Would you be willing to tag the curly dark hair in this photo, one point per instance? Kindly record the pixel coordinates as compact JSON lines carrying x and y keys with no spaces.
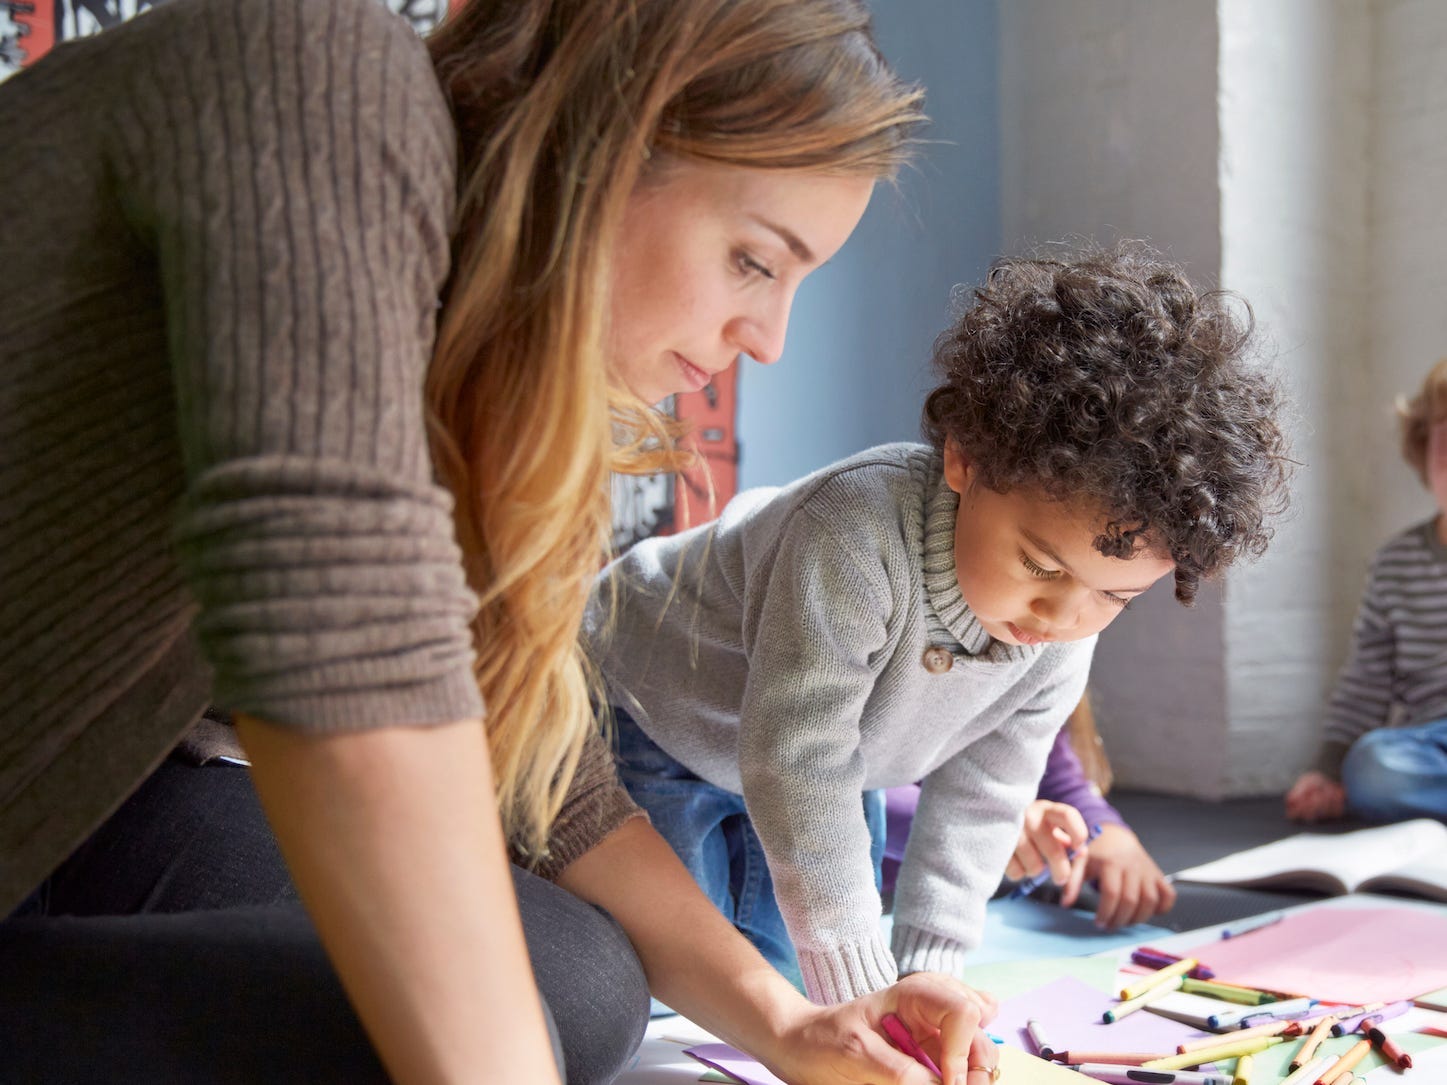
{"x":1105,"y":379}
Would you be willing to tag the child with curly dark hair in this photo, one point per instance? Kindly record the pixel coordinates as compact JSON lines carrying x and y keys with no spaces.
{"x":928,"y":612}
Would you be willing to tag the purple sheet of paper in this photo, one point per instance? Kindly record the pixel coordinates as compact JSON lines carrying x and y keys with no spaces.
{"x":732,"y":1061}
{"x":1069,"y":1012}
{"x":1339,"y":954}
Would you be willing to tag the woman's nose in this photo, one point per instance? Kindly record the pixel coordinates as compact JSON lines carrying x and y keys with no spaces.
{"x":760,"y":334}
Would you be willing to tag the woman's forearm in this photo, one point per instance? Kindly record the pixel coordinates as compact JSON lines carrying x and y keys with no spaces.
{"x":393,"y":839}
{"x":695,"y":960}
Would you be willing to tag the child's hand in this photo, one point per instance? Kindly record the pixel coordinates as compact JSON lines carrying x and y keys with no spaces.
{"x":1050,"y":831}
{"x":835,"y":1045}
{"x":1315,"y":797}
{"x":1132,"y":887}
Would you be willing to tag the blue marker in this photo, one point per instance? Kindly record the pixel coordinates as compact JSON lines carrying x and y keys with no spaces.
{"x":1029,"y":885}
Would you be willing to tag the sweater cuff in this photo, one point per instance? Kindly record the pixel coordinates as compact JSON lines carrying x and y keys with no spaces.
{"x":1329,"y":758}
{"x":919,"y":950}
{"x":847,"y":971}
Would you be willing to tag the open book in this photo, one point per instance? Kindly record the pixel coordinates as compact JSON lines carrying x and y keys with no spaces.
{"x":1409,"y":857}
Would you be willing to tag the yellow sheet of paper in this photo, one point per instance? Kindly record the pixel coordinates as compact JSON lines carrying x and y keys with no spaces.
{"x":1018,"y":1068}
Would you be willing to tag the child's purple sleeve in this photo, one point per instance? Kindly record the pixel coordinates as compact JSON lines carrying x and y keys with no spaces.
{"x":1065,"y":781}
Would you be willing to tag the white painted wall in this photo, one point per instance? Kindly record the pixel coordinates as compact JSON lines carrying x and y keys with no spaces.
{"x":1406,"y":286}
{"x":1295,"y":97}
{"x":1293,"y":151}
{"x":1109,"y":129}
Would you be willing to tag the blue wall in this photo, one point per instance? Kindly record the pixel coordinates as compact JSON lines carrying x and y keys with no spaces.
{"x":855,"y":367}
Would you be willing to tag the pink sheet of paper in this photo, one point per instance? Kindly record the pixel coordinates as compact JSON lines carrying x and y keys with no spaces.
{"x":1338,"y":954}
{"x":1069,"y":1013}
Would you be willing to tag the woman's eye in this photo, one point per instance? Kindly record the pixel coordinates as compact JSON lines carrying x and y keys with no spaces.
{"x":1036,"y":569}
{"x":1116,"y":600}
{"x":747,"y":265}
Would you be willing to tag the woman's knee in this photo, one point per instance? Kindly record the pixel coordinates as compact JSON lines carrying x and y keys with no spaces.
{"x":589,"y":976}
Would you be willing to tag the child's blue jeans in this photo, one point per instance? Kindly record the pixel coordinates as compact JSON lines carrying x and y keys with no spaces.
{"x":710,"y":830}
{"x":1398,"y":773}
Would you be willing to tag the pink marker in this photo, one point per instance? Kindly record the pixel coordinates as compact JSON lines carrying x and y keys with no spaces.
{"x":899,"y":1033}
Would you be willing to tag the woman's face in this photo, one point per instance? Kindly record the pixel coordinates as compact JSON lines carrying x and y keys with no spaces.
{"x":707,"y":266}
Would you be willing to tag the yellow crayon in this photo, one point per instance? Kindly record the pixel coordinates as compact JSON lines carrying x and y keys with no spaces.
{"x":1342,"y":1071}
{"x":1228,"y":1050}
{"x":1243,"y":1071}
{"x":1130,"y":1005}
{"x":1158,"y":977}
{"x":1313,"y":1041}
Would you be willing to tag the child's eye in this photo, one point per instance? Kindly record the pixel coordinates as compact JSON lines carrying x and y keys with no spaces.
{"x":747,"y":265}
{"x":1036,"y":569}
{"x":1116,"y":600}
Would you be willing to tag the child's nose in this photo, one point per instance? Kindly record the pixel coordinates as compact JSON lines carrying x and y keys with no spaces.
{"x":1059,"y":609}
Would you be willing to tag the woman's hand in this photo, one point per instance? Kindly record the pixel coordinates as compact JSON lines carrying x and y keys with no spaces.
{"x":835,"y":1045}
{"x":1132,"y":887}
{"x":1315,"y":797}
{"x":1051,"y":830}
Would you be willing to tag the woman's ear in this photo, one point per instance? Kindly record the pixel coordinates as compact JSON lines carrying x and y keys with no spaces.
{"x":959,"y":472}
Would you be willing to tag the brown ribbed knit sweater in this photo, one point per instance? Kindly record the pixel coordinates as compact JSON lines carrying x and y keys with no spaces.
{"x":227,"y":230}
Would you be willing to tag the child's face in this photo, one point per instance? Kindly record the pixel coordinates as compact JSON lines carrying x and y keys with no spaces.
{"x":1028,"y":567}
{"x":707,"y":265}
{"x":1437,"y":463}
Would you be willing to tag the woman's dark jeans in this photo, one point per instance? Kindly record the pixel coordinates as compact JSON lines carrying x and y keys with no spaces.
{"x":171,"y":947}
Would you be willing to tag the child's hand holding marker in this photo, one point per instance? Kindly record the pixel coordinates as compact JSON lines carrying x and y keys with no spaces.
{"x":1052,"y":847}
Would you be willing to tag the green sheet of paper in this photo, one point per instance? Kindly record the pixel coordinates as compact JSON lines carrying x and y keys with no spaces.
{"x":1006,"y":979}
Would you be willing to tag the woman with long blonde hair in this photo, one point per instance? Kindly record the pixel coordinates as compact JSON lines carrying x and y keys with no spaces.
{"x":327,"y":345}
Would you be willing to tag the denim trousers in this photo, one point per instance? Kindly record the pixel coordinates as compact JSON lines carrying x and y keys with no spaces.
{"x":1398,"y":773}
{"x":710,"y":829}
{"x":171,"y":947}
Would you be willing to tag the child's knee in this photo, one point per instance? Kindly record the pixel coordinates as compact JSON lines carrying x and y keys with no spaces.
{"x":1377,"y":778}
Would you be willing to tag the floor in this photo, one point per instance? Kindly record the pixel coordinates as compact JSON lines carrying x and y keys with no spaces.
{"x":1181,"y":832}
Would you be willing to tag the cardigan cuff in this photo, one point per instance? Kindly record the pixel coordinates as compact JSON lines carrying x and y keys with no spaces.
{"x":924,"y":951}
{"x":847,"y":971}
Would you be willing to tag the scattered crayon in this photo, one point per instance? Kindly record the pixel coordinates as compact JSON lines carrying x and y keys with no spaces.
{"x":1310,"y":1072}
{"x":1130,"y":1005}
{"x":1243,"y":1071}
{"x":1390,"y":1051}
{"x":1227,"y":992}
{"x":1037,"y":1037}
{"x":1348,"y":1020}
{"x":1228,"y":1049}
{"x":1312,"y":1042}
{"x":1156,"y":958}
{"x":1130,"y":1075}
{"x":1247,"y":1016}
{"x":1116,"y":1058}
{"x":1251,"y":927}
{"x":1343,"y":1067}
{"x":1274,"y":1028}
{"x":1156,"y":978}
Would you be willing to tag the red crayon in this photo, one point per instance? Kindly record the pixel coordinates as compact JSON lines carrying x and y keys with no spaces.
{"x":1390,"y":1051}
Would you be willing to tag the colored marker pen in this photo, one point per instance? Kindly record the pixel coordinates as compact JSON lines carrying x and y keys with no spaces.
{"x":1136,"y":1075}
{"x":899,"y":1033}
{"x":1155,"y":958}
{"x":1251,"y":925}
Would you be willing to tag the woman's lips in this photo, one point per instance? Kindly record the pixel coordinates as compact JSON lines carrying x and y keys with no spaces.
{"x":694,"y":377}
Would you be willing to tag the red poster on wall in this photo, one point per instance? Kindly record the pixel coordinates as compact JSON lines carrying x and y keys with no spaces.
{"x":663,"y":504}
{"x":30,"y":28}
